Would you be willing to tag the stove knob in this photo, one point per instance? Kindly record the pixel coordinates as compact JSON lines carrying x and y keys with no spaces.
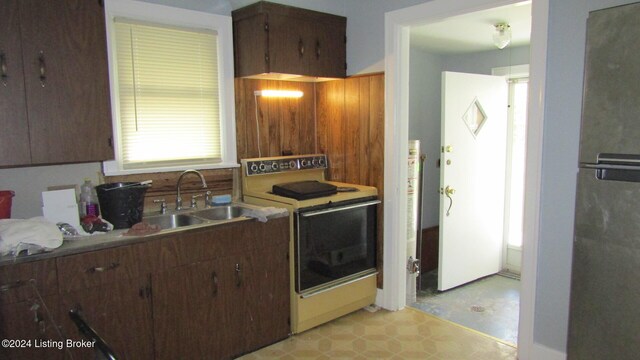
{"x":304,"y":163}
{"x":321,"y":162}
{"x":274,"y":166}
{"x":292,"y":164}
{"x":314,"y":162}
{"x":254,"y":167}
{"x":262,"y":167}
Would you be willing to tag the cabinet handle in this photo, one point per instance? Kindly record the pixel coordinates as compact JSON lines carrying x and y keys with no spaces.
{"x":317,"y":49}
{"x":43,"y":68}
{"x":301,"y":48}
{"x":96,"y":269}
{"x":214,"y":278}
{"x":238,"y":276}
{"x":3,"y":68}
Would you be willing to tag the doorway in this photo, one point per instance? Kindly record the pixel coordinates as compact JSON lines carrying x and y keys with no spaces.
{"x":474,"y":243}
{"x":398,"y":25}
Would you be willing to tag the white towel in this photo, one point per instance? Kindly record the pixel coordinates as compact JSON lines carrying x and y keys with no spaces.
{"x":262,"y":214}
{"x":34,"y":235}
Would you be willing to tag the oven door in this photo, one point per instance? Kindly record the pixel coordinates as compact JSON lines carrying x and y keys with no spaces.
{"x":335,"y":244}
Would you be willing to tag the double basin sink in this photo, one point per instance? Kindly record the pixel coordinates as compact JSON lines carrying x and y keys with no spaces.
{"x":197,"y":217}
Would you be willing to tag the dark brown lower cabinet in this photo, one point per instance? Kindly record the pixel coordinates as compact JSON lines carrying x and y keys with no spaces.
{"x":224,"y":307}
{"x":119,"y":312}
{"x":265,"y":297}
{"x":188,"y":311}
{"x":208,"y":293}
{"x":30,"y":326}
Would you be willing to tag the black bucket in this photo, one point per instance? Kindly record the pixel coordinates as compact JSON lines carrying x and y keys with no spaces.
{"x":122,"y":203}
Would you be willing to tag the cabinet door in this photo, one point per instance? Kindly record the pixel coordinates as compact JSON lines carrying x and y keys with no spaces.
{"x":191,"y":305}
{"x":328,"y":55}
{"x":290,"y":44}
{"x":264,"y":295}
{"x":34,"y":321}
{"x":119,"y":312}
{"x":66,"y":78}
{"x":250,"y":44}
{"x":14,"y":133}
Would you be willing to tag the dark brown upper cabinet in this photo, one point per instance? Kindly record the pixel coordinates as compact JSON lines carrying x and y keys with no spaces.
{"x":272,"y":39}
{"x":54,"y":83}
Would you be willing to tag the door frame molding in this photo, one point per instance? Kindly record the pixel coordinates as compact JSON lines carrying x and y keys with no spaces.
{"x":397,"y":24}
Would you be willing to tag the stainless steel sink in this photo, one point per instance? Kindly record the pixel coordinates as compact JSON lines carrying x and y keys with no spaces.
{"x":221,"y":212}
{"x":172,"y":221}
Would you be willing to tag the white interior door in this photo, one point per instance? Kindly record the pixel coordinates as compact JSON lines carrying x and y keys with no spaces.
{"x":472,"y":177}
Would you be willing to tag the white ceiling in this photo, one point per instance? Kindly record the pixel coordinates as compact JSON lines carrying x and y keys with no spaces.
{"x":473,"y":32}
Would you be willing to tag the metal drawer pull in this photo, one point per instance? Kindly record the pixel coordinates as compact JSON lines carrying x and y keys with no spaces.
{"x":43,"y":68}
{"x":103,"y":268}
{"x":3,"y":68}
{"x":214,"y":277}
{"x":317,"y":49}
{"x":16,"y":284}
{"x":326,"y":211}
{"x":238,"y":276}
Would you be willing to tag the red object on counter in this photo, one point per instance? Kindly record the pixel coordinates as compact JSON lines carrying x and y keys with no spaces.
{"x":5,"y":203}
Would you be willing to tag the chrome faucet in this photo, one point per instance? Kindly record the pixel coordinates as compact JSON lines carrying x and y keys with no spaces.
{"x":178,"y":197}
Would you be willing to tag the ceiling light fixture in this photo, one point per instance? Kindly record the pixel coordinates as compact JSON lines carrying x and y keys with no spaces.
{"x":502,"y":35}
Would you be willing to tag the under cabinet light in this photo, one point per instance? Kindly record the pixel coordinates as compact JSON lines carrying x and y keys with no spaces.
{"x":279,"y":93}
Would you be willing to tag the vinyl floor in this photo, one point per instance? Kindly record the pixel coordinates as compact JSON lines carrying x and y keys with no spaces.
{"x":489,"y":305}
{"x":405,"y":334}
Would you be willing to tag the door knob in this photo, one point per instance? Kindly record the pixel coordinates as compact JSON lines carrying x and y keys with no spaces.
{"x":449,"y":191}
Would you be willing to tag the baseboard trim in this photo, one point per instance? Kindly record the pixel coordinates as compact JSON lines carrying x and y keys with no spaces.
{"x":541,"y":352}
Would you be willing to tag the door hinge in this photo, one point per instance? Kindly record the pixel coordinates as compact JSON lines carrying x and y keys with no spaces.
{"x":345,"y":66}
{"x":413,"y":265}
{"x":110,"y":141}
{"x":345,"y":39}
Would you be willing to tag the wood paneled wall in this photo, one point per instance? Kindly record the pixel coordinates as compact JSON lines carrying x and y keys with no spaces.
{"x":284,"y":125}
{"x":350,"y":123}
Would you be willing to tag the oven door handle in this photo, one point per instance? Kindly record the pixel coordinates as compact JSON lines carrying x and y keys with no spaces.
{"x":341,"y":208}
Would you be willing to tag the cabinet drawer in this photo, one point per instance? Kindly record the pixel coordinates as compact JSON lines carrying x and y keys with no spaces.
{"x":96,"y":268}
{"x":16,"y":280}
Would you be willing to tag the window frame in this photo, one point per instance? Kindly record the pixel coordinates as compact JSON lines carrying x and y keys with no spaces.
{"x":172,"y":16}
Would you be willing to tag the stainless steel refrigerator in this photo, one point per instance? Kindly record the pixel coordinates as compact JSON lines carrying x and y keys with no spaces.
{"x":604,"y":321}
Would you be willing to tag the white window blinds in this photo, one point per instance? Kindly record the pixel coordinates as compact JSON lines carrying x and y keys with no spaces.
{"x":168,"y":95}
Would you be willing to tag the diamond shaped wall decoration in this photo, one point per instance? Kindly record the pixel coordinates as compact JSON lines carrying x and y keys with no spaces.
{"x":474,"y":117}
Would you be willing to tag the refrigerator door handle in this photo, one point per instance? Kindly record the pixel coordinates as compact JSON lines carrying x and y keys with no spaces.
{"x":615,"y":172}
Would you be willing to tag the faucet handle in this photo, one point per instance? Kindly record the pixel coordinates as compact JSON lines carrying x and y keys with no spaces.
{"x":163,"y":205}
{"x":194,"y":200}
{"x":207,"y":198}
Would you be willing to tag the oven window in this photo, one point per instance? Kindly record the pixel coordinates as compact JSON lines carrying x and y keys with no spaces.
{"x":334,"y":245}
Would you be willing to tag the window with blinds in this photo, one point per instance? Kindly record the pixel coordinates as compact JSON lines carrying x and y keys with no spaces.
{"x":168,"y":92}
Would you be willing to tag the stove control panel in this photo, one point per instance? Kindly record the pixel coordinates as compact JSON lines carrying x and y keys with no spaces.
{"x":272,"y":165}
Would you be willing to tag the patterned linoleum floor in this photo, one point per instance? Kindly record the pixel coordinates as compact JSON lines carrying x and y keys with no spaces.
{"x":405,"y":334}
